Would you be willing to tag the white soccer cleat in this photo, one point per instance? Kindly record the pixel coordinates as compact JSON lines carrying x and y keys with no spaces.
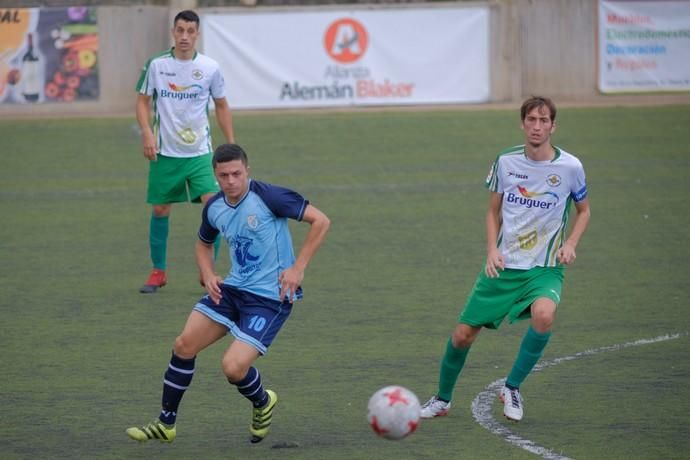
{"x":512,"y":403}
{"x":434,"y":407}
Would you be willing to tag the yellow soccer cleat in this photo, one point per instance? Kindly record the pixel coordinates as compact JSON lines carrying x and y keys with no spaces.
{"x":154,"y":430}
{"x":262,"y":417}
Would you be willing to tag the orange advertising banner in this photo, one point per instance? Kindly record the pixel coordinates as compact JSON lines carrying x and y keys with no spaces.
{"x":48,"y":55}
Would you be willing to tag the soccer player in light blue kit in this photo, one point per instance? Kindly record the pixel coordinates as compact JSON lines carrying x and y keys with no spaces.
{"x":256,"y":297}
{"x":531,"y":188}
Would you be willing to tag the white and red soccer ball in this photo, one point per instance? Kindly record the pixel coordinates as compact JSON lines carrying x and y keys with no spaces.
{"x":394,"y":412}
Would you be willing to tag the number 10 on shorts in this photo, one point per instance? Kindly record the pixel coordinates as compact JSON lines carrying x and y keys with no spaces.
{"x":257,"y":323}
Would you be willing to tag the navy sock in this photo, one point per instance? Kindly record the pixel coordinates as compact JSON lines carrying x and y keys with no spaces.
{"x":251,"y":388}
{"x":177,"y":378}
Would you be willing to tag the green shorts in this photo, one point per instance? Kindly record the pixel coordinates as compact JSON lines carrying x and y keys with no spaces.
{"x":176,"y":180}
{"x":511,"y":294}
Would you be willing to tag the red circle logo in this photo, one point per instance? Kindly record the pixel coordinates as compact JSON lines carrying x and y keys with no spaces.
{"x":346,"y":40}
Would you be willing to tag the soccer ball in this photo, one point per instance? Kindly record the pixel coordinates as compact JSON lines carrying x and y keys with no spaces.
{"x":394,"y":412}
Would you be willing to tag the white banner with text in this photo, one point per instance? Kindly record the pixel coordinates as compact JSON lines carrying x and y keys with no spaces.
{"x":644,"y":46}
{"x":345,"y":58}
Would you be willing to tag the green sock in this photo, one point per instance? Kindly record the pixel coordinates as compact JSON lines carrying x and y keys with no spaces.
{"x":216,"y":247}
{"x":531,"y":349}
{"x":451,"y":365}
{"x":158,"y":241}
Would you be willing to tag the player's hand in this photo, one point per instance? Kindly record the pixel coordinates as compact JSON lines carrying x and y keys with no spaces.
{"x":212,"y":284}
{"x":150,"y":145}
{"x":289,"y":281}
{"x":566,"y":254}
{"x":494,"y":262}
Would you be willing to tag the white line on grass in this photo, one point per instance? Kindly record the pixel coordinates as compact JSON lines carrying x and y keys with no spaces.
{"x":481,"y":406}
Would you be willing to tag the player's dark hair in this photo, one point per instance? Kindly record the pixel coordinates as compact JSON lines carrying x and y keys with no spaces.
{"x":188,"y":16}
{"x":537,"y":102}
{"x":229,"y":152}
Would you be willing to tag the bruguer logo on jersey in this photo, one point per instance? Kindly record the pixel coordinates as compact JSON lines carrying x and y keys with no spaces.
{"x":182,"y":92}
{"x":528,"y":199}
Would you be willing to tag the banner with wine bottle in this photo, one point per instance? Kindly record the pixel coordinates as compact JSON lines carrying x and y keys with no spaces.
{"x":48,"y":55}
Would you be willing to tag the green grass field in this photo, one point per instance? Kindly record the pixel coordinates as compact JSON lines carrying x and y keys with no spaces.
{"x":83,"y":353}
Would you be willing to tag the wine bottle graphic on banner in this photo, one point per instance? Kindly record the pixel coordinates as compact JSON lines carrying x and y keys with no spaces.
{"x":32,"y":72}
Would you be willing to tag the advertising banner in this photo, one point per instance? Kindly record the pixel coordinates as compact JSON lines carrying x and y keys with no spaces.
{"x":345,"y":58}
{"x":644,"y":46}
{"x":48,"y":55}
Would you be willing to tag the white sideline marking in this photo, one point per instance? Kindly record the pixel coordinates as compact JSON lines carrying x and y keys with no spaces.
{"x":481,"y":406}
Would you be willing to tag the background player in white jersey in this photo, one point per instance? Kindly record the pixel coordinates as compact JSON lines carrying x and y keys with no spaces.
{"x":181,"y":83}
{"x":531,"y":188}
{"x":256,"y":297}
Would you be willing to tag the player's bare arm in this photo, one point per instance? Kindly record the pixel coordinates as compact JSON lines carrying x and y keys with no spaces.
{"x":566,"y":254}
{"x":144,"y":119}
{"x":224,"y":119}
{"x":291,"y":278}
{"x":494,"y":258}
{"x":204,"y":260}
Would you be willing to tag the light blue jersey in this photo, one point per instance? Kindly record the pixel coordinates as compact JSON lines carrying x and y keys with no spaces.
{"x":257,"y":233}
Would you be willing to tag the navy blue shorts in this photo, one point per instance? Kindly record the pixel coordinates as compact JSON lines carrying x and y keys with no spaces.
{"x":250,"y":318}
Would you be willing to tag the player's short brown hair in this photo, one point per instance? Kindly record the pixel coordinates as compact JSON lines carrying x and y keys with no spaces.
{"x":535,"y":102}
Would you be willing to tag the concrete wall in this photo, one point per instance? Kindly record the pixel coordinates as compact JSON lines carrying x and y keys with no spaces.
{"x":544,"y":47}
{"x":537,"y":47}
{"x":558,"y":47}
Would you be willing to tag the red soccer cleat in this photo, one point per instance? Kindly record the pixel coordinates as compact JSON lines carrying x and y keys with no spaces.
{"x":157,"y":279}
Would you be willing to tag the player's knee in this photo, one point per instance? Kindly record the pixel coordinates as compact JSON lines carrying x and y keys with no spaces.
{"x":161,"y":210}
{"x":542,"y":326}
{"x":463,"y":337}
{"x":543,"y":312}
{"x":183,"y":348}
{"x":233,"y":370}
{"x":542,"y":320}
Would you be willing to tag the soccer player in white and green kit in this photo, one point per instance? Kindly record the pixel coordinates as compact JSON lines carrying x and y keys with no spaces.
{"x":531,"y":188}
{"x":180,"y":82}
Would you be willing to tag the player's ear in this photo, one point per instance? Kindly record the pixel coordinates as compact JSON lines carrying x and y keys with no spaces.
{"x":553,"y":127}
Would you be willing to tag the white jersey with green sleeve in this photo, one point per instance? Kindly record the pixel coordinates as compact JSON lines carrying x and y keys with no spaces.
{"x":181,"y":92}
{"x":536,"y":201}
